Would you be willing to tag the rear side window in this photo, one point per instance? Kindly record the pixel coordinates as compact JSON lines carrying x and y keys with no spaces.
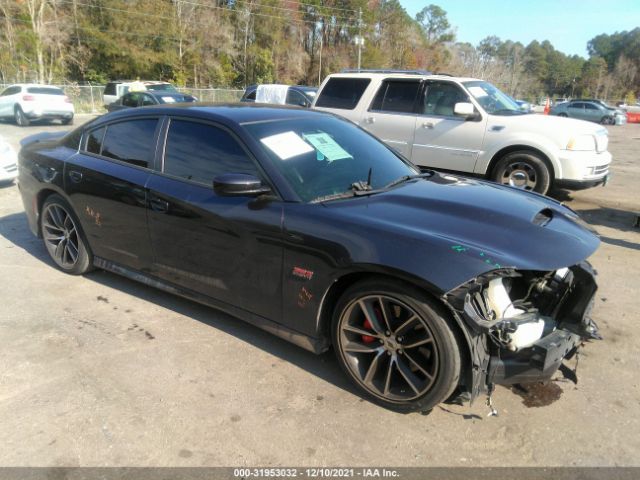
{"x":45,"y":91}
{"x":110,"y":89}
{"x":251,"y":96}
{"x":130,"y":100}
{"x":94,"y":140}
{"x":131,"y":142}
{"x":343,"y":93}
{"x":200,"y":152}
{"x":11,"y":91}
{"x":590,"y":106}
{"x":396,"y":96}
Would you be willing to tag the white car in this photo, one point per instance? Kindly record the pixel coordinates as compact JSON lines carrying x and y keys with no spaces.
{"x":468,"y":125}
{"x":8,"y":162}
{"x":29,"y":102}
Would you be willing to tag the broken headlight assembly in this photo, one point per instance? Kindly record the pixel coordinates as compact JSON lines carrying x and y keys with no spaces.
{"x":532,"y":320}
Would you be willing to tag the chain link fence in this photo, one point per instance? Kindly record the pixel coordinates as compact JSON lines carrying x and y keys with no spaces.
{"x":88,"y":98}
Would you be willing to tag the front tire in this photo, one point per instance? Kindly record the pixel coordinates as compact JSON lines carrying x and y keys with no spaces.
{"x":67,"y":121}
{"x":396,"y":345}
{"x":523,"y":169}
{"x":21,"y":119}
{"x":63,"y":237}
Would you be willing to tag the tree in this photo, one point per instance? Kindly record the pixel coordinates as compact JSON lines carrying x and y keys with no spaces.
{"x":435,"y":24}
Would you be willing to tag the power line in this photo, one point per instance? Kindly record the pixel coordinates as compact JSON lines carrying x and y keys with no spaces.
{"x":143,"y":14}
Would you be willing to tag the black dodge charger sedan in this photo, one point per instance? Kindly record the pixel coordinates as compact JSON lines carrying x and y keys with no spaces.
{"x":425,"y":284}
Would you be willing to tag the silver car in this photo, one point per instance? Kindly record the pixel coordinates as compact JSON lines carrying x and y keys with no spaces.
{"x":593,"y":111}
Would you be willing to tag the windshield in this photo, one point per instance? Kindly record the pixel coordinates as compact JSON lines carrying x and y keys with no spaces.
{"x":492,"y":99}
{"x":325,"y":156}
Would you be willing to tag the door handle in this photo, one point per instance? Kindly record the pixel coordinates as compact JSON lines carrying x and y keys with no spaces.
{"x":75,"y":176}
{"x":159,"y":205}
{"x":428,"y":125}
{"x":370,"y":120}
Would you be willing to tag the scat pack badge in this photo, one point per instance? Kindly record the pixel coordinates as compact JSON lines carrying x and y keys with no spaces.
{"x":302,"y":273}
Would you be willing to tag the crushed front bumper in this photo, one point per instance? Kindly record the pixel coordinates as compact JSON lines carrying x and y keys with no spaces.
{"x":492,"y":363}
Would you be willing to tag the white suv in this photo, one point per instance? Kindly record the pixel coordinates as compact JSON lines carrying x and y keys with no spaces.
{"x":28,"y":102}
{"x":468,"y":125}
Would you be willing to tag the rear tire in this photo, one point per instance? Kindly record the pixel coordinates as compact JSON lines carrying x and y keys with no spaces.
{"x":523,"y":169}
{"x":63,"y":237}
{"x":20,"y":118}
{"x":396,"y":345}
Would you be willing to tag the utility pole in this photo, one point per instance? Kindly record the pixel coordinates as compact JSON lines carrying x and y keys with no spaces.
{"x":360,"y":40}
{"x":320,"y":62}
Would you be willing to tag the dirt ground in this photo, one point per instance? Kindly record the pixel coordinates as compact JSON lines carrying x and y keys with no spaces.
{"x":101,"y":371}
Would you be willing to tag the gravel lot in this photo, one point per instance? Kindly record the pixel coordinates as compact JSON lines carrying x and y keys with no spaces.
{"x":101,"y":371}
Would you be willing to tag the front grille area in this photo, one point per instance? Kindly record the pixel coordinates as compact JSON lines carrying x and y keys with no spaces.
{"x":601,"y":170}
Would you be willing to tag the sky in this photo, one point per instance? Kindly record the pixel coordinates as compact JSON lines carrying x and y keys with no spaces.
{"x":567,"y":24}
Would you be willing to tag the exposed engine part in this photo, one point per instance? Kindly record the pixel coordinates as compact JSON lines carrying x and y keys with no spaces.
{"x":516,"y":328}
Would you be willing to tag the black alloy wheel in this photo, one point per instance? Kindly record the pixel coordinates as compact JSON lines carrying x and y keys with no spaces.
{"x":396,"y":345}
{"x":63,"y":237}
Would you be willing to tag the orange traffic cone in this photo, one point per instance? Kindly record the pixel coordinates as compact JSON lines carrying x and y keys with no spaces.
{"x":547,"y":107}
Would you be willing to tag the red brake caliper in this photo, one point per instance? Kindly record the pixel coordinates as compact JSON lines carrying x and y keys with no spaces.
{"x":368,"y":326}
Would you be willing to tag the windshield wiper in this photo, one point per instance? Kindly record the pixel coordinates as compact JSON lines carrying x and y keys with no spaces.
{"x":407,"y":178}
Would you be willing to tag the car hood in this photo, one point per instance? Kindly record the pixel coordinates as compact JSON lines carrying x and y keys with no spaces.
{"x":469,"y":227}
{"x":549,"y":125}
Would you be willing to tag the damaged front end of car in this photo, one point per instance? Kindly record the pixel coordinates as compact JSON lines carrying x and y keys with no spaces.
{"x":522,"y":325}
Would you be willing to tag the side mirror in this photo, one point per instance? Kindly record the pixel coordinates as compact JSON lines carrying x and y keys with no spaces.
{"x":465,"y":109}
{"x":239,"y":185}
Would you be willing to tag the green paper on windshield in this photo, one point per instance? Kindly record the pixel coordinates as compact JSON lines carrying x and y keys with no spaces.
{"x":327,"y":146}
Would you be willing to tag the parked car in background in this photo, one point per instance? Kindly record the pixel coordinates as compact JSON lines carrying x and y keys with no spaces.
{"x":620,"y":113}
{"x":560,"y":100}
{"x":524,"y":106}
{"x":30,"y":102}
{"x":150,"y":97}
{"x":8,"y":162}
{"x":298,"y":95}
{"x":115,"y":89}
{"x":303,"y":224}
{"x":468,"y":125}
{"x":589,"y":110}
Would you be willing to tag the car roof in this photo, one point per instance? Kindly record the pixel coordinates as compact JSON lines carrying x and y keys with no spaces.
{"x":29,"y":85}
{"x":382,"y":75}
{"x":237,"y":113}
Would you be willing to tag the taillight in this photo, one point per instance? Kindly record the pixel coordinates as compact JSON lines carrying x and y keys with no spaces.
{"x":67,"y":99}
{"x":28,"y":98}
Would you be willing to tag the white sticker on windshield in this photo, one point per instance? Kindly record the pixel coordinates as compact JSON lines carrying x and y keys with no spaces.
{"x":168,"y":99}
{"x":478,"y":92}
{"x":327,"y":146}
{"x":286,"y":145}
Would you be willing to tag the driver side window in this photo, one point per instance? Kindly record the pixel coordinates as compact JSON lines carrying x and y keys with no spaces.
{"x":441,"y":97}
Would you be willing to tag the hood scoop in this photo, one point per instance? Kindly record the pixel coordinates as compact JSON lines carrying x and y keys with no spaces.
{"x":543,"y":217}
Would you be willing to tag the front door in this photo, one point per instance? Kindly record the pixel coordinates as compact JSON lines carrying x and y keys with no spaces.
{"x":227,"y":248}
{"x":442,"y":139}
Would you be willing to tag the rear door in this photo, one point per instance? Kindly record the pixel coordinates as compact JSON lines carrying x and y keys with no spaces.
{"x":391,"y":116}
{"x":228,"y":248}
{"x":576,"y":110}
{"x":442,"y":139}
{"x":106,"y":184}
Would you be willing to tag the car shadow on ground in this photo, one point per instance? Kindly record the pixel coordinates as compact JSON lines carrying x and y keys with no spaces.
{"x":14,"y":228}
